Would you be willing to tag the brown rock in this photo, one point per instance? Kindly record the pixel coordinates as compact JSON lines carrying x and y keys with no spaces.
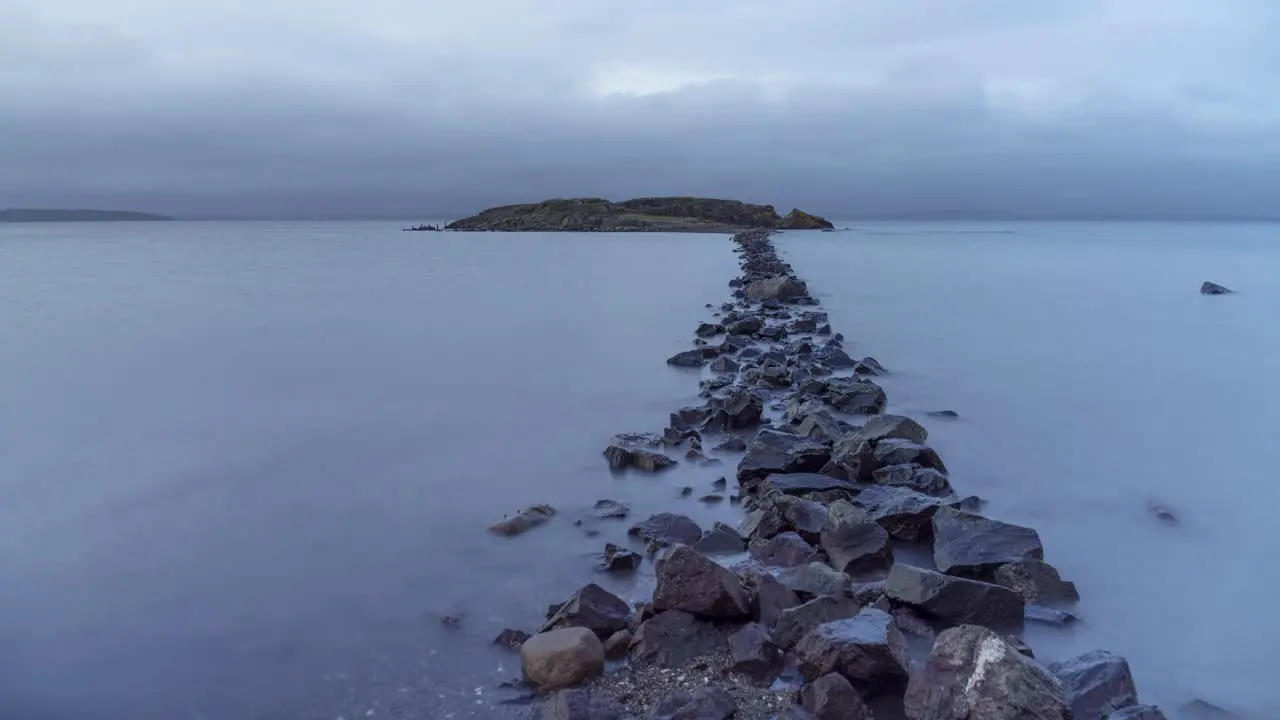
{"x":562,"y":657}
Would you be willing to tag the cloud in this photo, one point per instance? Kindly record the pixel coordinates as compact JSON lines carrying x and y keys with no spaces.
{"x":283,"y":107}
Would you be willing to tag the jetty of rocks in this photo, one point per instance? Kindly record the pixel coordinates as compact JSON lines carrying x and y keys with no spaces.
{"x":819,"y":616}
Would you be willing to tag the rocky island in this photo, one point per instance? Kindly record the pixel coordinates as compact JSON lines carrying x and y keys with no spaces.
{"x":19,"y":215}
{"x":650,"y":214}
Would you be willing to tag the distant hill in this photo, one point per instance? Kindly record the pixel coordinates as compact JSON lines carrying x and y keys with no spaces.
{"x":19,"y":215}
{"x":653,"y":214}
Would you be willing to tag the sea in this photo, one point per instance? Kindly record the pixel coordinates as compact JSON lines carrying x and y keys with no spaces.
{"x":246,"y":469}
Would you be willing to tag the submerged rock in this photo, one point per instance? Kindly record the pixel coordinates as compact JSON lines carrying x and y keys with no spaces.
{"x":523,"y":521}
{"x":622,"y":455}
{"x":562,"y":657}
{"x":974,"y":546}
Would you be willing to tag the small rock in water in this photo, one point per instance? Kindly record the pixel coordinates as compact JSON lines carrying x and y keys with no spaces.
{"x":452,"y":622}
{"x":526,"y":519}
{"x":611,"y":509}
{"x":1209,"y":288}
{"x":511,"y":638}
{"x":711,"y":499}
{"x":1162,"y":512}
{"x":686,"y":491}
{"x":944,"y":414}
{"x":720,"y":483}
{"x":617,"y":559}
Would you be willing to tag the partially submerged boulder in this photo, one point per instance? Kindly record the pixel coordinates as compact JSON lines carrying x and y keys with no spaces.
{"x":867,"y":649}
{"x":782,"y":287}
{"x":623,"y":453}
{"x":774,"y":451}
{"x":973,"y":546}
{"x":666,"y":529}
{"x":691,"y":583}
{"x":904,"y":514}
{"x":952,"y":599}
{"x":560,"y":658}
{"x":855,"y":542}
{"x":525,"y":520}
{"x":688,"y":358}
{"x":1210,"y":288}
{"x":593,"y":608}
{"x":1096,"y":683}
{"x":1037,"y":582}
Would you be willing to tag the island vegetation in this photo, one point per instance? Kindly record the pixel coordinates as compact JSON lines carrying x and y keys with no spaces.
{"x":649,"y":214}
{"x":20,"y":215}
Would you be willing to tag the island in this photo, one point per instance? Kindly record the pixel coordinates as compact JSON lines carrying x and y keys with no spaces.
{"x":649,"y":214}
{"x":21,"y":215}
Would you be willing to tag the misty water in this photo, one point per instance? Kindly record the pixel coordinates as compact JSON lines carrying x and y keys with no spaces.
{"x":245,"y":468}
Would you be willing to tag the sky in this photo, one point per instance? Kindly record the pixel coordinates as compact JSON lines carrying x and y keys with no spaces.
{"x":849,"y":108}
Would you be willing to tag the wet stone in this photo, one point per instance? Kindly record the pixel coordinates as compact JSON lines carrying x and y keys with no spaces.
{"x":867,"y":649}
{"x":974,"y":546}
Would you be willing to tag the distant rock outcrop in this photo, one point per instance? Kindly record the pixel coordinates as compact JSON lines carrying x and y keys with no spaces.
{"x":649,"y":214}
{"x":53,"y":215}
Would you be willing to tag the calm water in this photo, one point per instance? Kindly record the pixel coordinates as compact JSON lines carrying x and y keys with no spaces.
{"x":244,"y":468}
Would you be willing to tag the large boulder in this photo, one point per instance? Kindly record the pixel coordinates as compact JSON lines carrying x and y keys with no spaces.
{"x":523,"y":521}
{"x":974,"y":674}
{"x":815,"y":580}
{"x":973,"y":546}
{"x":593,"y":608}
{"x":953,"y":600}
{"x":914,"y":477}
{"x":854,"y":542}
{"x":774,"y":451}
{"x":690,"y":582}
{"x":736,"y":409}
{"x":867,"y":649}
{"x":748,"y":325}
{"x":894,"y":426}
{"x":904,"y":514}
{"x":805,"y":517}
{"x":666,"y":529}
{"x":562,"y":657}
{"x":1095,"y":684}
{"x":796,"y":622}
{"x":1037,"y":582}
{"x":852,"y":394}
{"x":832,"y":697}
{"x":753,"y":653}
{"x":783,"y":550}
{"x":673,"y":638}
{"x":782,"y":287}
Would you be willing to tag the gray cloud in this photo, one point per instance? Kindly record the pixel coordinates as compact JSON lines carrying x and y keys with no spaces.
{"x":839,"y":106}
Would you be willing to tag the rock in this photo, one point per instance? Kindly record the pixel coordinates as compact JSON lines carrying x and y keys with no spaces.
{"x":562,"y":657}
{"x":673,"y":638}
{"x":783,"y":550}
{"x":618,"y":559}
{"x":763,"y":522}
{"x":667,"y":529}
{"x":867,"y":593}
{"x":1209,"y":288}
{"x":611,"y":509}
{"x":894,"y":426}
{"x":1138,"y":712}
{"x":1037,"y":582}
{"x":854,"y":542}
{"x":741,"y":409}
{"x":1095,"y":684}
{"x":748,"y":325}
{"x":622,"y":456}
{"x":833,"y":356}
{"x":725,"y":364}
{"x":854,"y":395}
{"x":867,"y":649}
{"x":594,"y":608}
{"x":706,"y":330}
{"x":943,"y":413}
{"x":904,"y":514}
{"x":824,"y":329}
{"x":511,"y":638}
{"x":720,"y":540}
{"x":869,"y":366}
{"x":688,"y":358}
{"x":806,"y":517}
{"x":799,"y":220}
{"x":523,"y":521}
{"x":690,"y":582}
{"x":822,"y":425}
{"x":769,"y":599}
{"x":1200,"y":710}
{"x":970,"y":504}
{"x":952,"y":599}
{"x":783,"y":287}
{"x":1017,"y":644}
{"x":973,"y":674}
{"x":831,"y":697}
{"x":574,"y":704}
{"x":815,"y":580}
{"x":753,"y":653}
{"x":688,"y":418}
{"x":802,"y":483}
{"x":711,"y":499}
{"x":913,"y":477}
{"x":704,"y":703}
{"x":686,"y":491}
{"x":616,"y":647}
{"x":894,"y":451}
{"x":973,"y":546}
{"x":774,"y":451}
{"x":1162,"y":512}
{"x":796,"y":622}
{"x":732,"y":443}
{"x":720,"y":483}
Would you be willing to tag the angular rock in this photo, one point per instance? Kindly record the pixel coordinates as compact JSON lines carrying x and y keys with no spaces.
{"x":562,"y":657}
{"x":854,"y":542}
{"x":704,"y":703}
{"x":973,"y":674}
{"x":806,"y":517}
{"x":853,"y":395}
{"x":904,"y":514}
{"x":732,"y":444}
{"x":774,"y":451}
{"x":894,"y":451}
{"x":673,"y":638}
{"x":706,"y":330}
{"x":923,"y":480}
{"x":690,"y":582}
{"x":783,"y":550}
{"x":621,"y":457}
{"x":894,"y":426}
{"x":720,"y":540}
{"x":769,"y":599}
{"x":833,"y":356}
{"x":619,"y":559}
{"x":815,"y":580}
{"x":796,"y":622}
{"x":831,"y":697}
{"x":973,"y":546}
{"x":611,"y":509}
{"x":688,"y":358}
{"x":763,"y":522}
{"x":867,"y":649}
{"x":1209,"y":288}
{"x":943,"y":413}
{"x":783,"y":287}
{"x":725,"y":365}
{"x":748,"y":325}
{"x":1096,"y":683}
{"x":511,"y":638}
{"x":822,"y":425}
{"x":869,"y":366}
{"x":574,"y":704}
{"x":1198,"y":709}
{"x":801,"y":483}
{"x":741,"y":409}
{"x":527,"y":519}
{"x":753,"y":653}
{"x":666,"y":529}
{"x":1037,"y":582}
{"x":594,"y":608}
{"x":616,"y":647}
{"x":952,"y":599}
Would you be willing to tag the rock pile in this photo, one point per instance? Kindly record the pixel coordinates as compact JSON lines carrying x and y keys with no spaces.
{"x":822,"y":619}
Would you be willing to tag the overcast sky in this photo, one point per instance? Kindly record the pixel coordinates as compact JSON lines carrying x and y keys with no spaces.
{"x":433,"y":108}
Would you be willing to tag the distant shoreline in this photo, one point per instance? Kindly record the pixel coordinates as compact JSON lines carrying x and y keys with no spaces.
{"x":648,"y":214}
{"x":38,"y":215}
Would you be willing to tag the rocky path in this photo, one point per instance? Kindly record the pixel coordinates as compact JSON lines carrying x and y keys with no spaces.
{"x":808,"y":609}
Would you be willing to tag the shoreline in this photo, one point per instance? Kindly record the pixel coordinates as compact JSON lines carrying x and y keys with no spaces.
{"x":837,"y":610}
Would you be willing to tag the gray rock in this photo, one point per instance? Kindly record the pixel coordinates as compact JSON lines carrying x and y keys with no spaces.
{"x":904,"y":514}
{"x":801,"y":483}
{"x":732,"y":443}
{"x":666,"y":529}
{"x":562,"y":657}
{"x":831,"y":697}
{"x":611,"y":509}
{"x":867,"y":649}
{"x":895,"y":451}
{"x":753,"y":653}
{"x":720,"y":540}
{"x":1201,"y":710}
{"x":1209,"y":288}
{"x":833,"y":356}
{"x":973,"y":546}
{"x":741,"y":409}
{"x":783,"y":287}
{"x":853,"y":395}
{"x":764,"y":521}
{"x":622,"y":457}
{"x":594,"y":608}
{"x":574,"y":704}
{"x":673,"y":638}
{"x":796,"y":622}
{"x":706,"y":330}
{"x":952,"y":599}
{"x":855,"y":455}
{"x":1037,"y":582}
{"x":854,"y":542}
{"x":943,"y":413}
{"x":616,"y":647}
{"x":822,"y":425}
{"x":687,"y":358}
{"x":774,"y":451}
{"x":869,"y":366}
{"x":725,"y":364}
{"x":511,"y":638}
{"x":894,"y":426}
{"x":690,"y":582}
{"x":523,"y":521}
{"x":618,"y":559}
{"x":688,"y":418}
{"x":806,"y":517}
{"x":973,"y":674}
{"x":783,"y":550}
{"x":704,"y":703}
{"x":913,"y":477}
{"x":815,"y":580}
{"x":748,"y":325}
{"x":1049,"y":616}
{"x":769,"y":598}
{"x":1096,"y":684}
